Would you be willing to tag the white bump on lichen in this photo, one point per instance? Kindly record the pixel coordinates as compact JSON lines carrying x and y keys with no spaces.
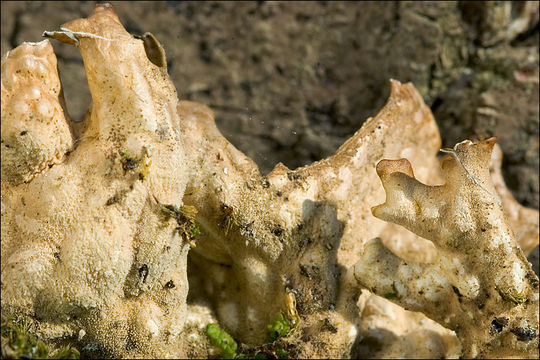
{"x":353,"y":331}
{"x":45,"y":108}
{"x":256,"y":269}
{"x":152,"y":327}
{"x":33,"y":93}
{"x":20,"y":107}
{"x":518,"y":276}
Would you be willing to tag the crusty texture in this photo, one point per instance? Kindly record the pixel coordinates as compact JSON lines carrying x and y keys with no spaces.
{"x":481,"y":274}
{"x":287,"y":230}
{"x":32,"y":94}
{"x":89,"y":240}
{"x":522,"y":220}
{"x":390,"y":332}
{"x":75,"y":237}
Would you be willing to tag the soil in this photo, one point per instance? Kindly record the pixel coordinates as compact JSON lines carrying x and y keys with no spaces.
{"x":291,"y":81}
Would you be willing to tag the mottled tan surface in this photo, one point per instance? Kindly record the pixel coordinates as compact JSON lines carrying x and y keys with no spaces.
{"x":291,"y":81}
{"x":85,"y":245}
{"x":480,"y":273}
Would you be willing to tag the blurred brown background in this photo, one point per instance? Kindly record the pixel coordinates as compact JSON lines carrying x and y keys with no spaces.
{"x":291,"y":81}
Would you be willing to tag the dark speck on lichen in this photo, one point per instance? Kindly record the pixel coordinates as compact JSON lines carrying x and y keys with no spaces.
{"x":524,"y":333}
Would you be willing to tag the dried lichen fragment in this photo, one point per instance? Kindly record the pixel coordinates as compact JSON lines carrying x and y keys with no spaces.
{"x":227,"y":220}
{"x":187,"y":227}
{"x":128,"y":162}
{"x":513,"y":296}
{"x":153,"y":49}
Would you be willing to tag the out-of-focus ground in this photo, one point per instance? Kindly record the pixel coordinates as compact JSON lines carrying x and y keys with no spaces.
{"x":291,"y":81}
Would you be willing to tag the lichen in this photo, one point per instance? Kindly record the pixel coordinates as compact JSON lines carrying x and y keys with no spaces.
{"x":456,"y":216}
{"x":103,"y":244}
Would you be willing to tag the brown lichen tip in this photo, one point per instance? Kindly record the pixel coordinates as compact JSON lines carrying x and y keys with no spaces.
{"x":386,"y":167}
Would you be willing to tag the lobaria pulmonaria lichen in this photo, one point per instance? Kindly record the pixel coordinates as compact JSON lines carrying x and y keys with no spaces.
{"x":99,"y":226}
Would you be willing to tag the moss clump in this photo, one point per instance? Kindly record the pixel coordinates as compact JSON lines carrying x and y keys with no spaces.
{"x":128,"y":162}
{"x":19,"y":343}
{"x":513,"y":296}
{"x":227,"y":219}
{"x":278,"y":328}
{"x":273,"y":349}
{"x":187,"y":227}
{"x":195,"y":230}
{"x":393,"y":294}
{"x":223,"y":341}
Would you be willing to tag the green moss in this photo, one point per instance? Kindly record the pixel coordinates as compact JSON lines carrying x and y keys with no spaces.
{"x":393,"y":294}
{"x":187,"y":227}
{"x":281,"y":352}
{"x":19,"y":343}
{"x":278,"y":328}
{"x":128,"y":162}
{"x":195,"y":230}
{"x":222,"y":340}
